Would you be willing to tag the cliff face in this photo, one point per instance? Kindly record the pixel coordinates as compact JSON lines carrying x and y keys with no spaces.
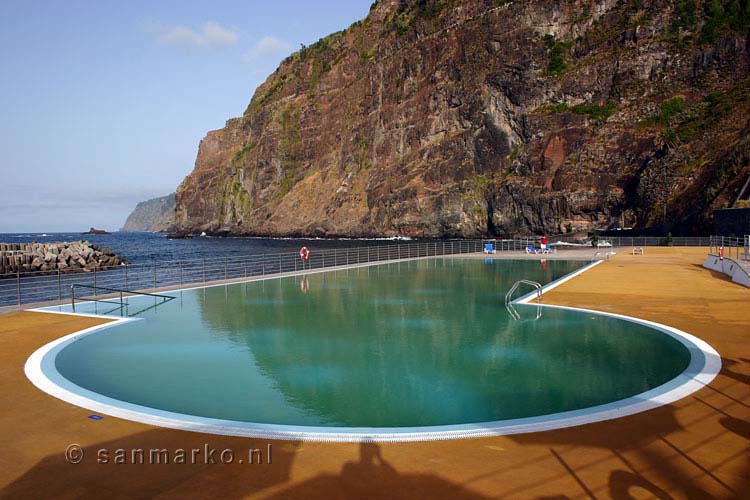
{"x":153,"y":215}
{"x":469,"y":118}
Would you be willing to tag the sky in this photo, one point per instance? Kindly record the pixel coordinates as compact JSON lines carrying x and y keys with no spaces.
{"x":103,"y":103}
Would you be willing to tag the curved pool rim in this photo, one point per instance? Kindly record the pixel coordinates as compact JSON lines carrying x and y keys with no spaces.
{"x":705,"y":364}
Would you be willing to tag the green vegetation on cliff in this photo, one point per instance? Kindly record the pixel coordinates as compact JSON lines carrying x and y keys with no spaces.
{"x":469,"y":118}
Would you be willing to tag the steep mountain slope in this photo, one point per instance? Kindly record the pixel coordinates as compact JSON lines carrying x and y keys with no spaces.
{"x":156,"y":214}
{"x":468,"y":118}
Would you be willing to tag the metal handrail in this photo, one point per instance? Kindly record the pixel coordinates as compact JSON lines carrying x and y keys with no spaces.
{"x":536,"y":285}
{"x":607,"y":255}
{"x":517,"y":317}
{"x":45,"y":286}
{"x":122,"y":303}
{"x":18,"y":288}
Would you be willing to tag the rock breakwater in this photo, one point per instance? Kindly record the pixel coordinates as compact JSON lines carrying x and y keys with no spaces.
{"x":75,"y":256}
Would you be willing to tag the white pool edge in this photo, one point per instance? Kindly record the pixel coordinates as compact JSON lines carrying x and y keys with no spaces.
{"x":705,"y":364}
{"x":525,"y":299}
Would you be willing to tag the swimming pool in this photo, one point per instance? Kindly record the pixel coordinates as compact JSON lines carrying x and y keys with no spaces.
{"x":420,"y":349}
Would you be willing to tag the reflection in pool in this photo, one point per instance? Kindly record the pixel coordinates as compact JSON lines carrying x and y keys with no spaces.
{"x":410,"y":344}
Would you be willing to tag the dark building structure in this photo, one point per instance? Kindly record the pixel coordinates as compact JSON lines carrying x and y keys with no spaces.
{"x":732,"y":221}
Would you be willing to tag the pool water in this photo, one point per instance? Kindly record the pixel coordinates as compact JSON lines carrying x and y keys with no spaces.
{"x":409,"y":344}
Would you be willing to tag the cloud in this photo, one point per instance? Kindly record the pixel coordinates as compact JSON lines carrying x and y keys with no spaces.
{"x":268,"y":46}
{"x":211,"y":35}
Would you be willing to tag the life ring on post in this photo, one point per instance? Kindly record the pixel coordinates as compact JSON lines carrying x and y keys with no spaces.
{"x":721,"y":252}
{"x":304,"y":253}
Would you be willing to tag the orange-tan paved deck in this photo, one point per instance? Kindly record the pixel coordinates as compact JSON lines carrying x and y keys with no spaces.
{"x":696,"y":448}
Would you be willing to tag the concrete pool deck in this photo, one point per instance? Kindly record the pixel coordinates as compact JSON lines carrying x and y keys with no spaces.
{"x":694,"y":448}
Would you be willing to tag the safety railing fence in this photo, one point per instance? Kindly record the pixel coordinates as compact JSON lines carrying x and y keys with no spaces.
{"x":642,"y":241}
{"x":31,"y":287}
{"x":730,"y":247}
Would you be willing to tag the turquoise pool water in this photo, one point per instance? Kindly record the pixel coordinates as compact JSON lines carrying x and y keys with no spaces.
{"x":410,"y":344}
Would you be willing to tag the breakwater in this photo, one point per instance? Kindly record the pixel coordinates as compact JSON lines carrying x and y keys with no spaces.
{"x":73,"y":256}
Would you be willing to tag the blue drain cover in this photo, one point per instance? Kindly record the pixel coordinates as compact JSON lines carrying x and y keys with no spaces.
{"x":95,"y":417}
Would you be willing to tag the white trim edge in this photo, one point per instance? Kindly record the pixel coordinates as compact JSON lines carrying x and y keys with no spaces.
{"x":705,"y":364}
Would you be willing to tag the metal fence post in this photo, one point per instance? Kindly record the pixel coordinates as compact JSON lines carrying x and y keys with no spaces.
{"x":226,"y":262}
{"x":204,"y":269}
{"x":18,"y":285}
{"x":154,"y":268}
{"x":59,"y":286}
{"x":95,"y":290}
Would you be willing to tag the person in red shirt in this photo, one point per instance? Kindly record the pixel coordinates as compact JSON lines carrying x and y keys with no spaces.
{"x":543,"y":243}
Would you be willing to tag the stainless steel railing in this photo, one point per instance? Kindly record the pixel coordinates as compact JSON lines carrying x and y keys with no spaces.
{"x":33,"y":287}
{"x":122,"y":304}
{"x":537,"y":289}
{"x":734,"y":248}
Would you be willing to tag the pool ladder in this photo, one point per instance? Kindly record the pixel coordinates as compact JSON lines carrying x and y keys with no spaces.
{"x":537,"y":286}
{"x":112,"y":293}
{"x":509,"y":302}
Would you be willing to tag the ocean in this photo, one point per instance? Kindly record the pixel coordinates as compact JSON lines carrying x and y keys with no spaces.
{"x":146,"y":248}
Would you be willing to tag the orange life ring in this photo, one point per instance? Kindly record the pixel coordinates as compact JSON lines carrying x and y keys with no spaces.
{"x":721,"y":253}
{"x":304,"y":253}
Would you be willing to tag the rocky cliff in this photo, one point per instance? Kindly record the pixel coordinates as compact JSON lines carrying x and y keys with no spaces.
{"x":468,"y":118}
{"x":156,"y":214}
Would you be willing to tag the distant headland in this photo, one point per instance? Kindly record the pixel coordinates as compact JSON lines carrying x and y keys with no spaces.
{"x":154,"y":215}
